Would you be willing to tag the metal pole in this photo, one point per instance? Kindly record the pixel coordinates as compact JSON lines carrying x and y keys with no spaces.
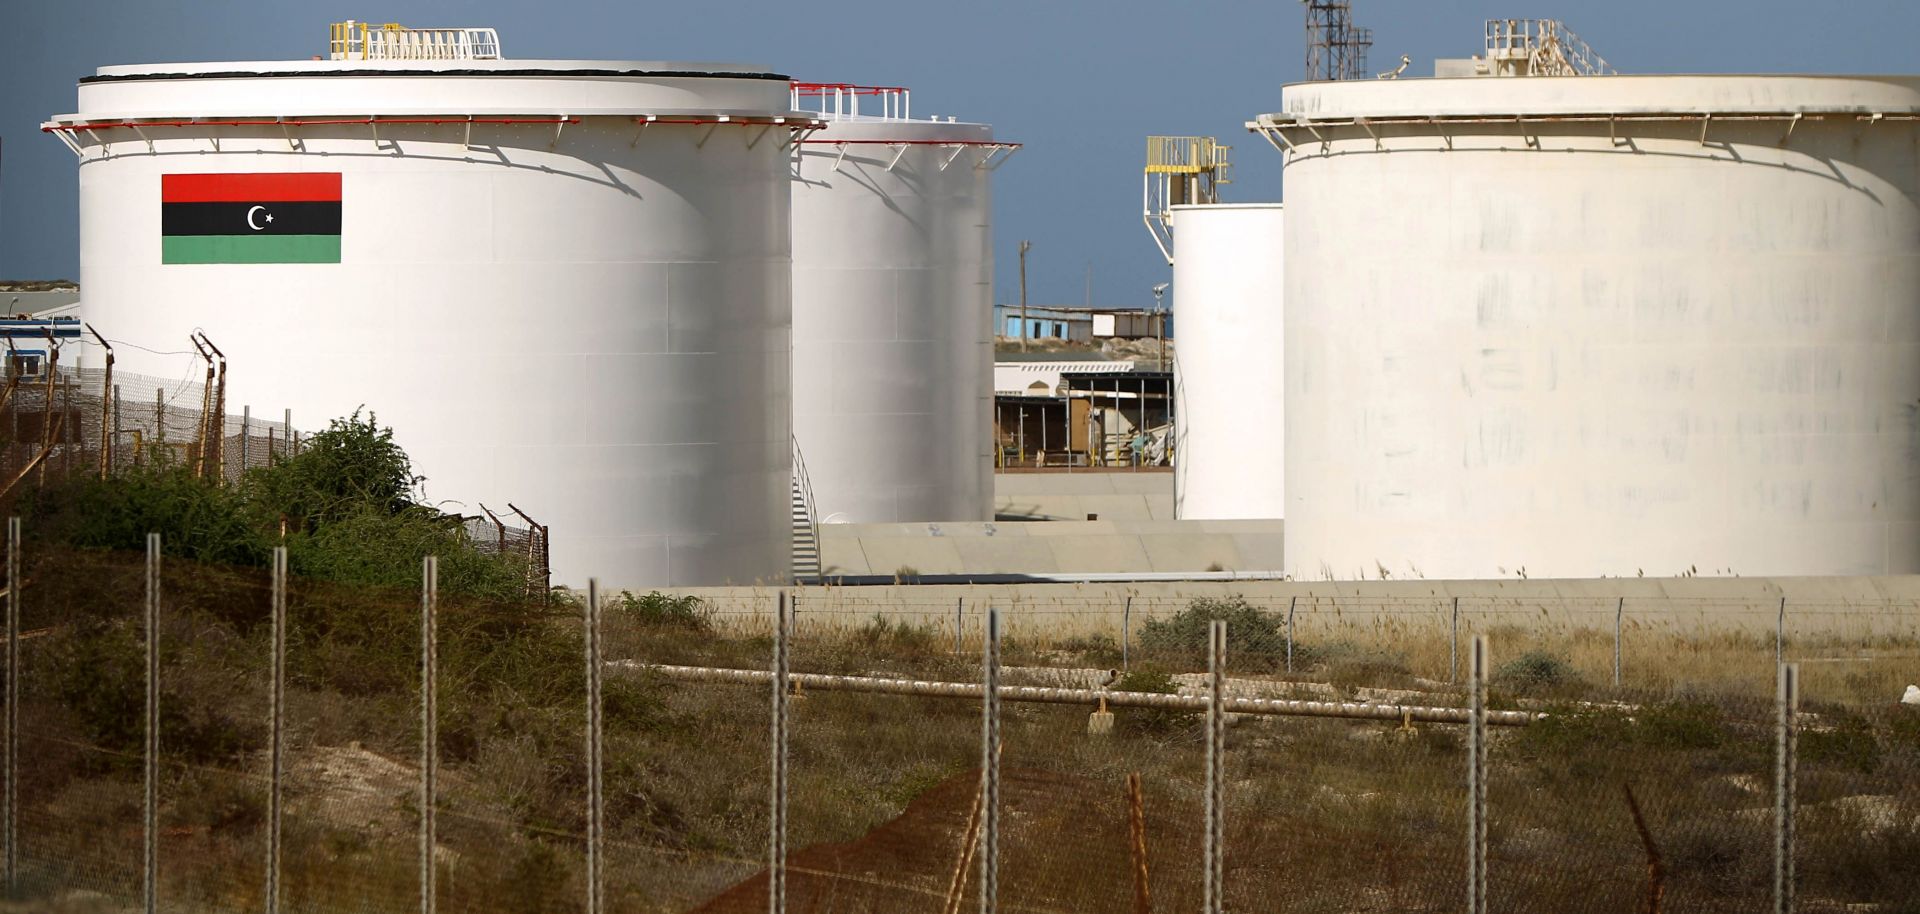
{"x":160,"y":414}
{"x":13,"y":705}
{"x":1024,"y":247}
{"x":1214,"y":853}
{"x":1785,"y":773}
{"x":1780,"y":635}
{"x":1126,"y":631}
{"x":150,"y":870}
{"x":1292,"y":603}
{"x":990,"y":765}
{"x":777,"y":839}
{"x":113,"y":462}
{"x":246,"y":437}
{"x":596,"y":745}
{"x":1477,"y":780}
{"x":1619,"y":611}
{"x":109,"y":395}
{"x":959,"y":619}
{"x":286,"y":433}
{"x":429,"y":726}
{"x":1453,"y":645}
{"x":276,"y":721}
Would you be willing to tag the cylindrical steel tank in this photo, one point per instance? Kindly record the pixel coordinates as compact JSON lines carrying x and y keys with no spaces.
{"x":893,"y":309}
{"x":565,"y":284}
{"x":1228,"y":390}
{"x":1581,"y":326}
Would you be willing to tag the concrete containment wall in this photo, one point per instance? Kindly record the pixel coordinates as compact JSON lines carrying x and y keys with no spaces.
{"x":1051,"y":547}
{"x":1112,"y":495}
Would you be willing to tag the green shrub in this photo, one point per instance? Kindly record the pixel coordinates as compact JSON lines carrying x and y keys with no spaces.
{"x":386,"y":550}
{"x":1535,"y":670}
{"x":1151,"y":721}
{"x":660,"y":610}
{"x":1251,"y":631}
{"x":1683,"y":725}
{"x":1849,"y":743}
{"x":352,"y":468}
{"x":346,"y":505}
{"x":195,"y":519}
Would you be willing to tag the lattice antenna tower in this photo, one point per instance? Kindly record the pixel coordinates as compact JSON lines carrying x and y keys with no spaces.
{"x":1336,"y":49}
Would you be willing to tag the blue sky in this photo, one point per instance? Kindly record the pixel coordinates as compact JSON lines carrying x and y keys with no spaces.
{"x":1081,"y":83}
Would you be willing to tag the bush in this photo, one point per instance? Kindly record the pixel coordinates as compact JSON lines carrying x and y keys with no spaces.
{"x":195,"y":518}
{"x":1151,"y":721}
{"x":659,"y":610}
{"x":1850,"y":743}
{"x":386,"y":550}
{"x":352,"y":468}
{"x":1251,"y":631}
{"x":345,"y":507}
{"x":1535,"y":670}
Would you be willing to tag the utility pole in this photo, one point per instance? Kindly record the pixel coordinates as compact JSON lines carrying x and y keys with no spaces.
{"x":1160,"y":321}
{"x":1024,"y":247}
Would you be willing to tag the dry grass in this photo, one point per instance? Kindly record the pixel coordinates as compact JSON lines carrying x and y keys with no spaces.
{"x":1327,"y":816}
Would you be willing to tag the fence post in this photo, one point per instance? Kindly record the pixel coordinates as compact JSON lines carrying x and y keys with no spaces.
{"x":1292,"y":602}
{"x":151,"y":862}
{"x":113,"y":451}
{"x":160,"y":415}
{"x":1785,"y":775}
{"x":1453,"y":645}
{"x":276,"y":722}
{"x":1619,"y":611}
{"x":429,"y":727}
{"x":596,"y":744}
{"x":1780,"y":635}
{"x":246,"y":437}
{"x":1214,"y":853}
{"x":1477,"y":779}
{"x":959,"y":617}
{"x":1126,"y":632}
{"x":12,"y":798}
{"x":288,"y":436}
{"x":990,"y":765}
{"x":777,"y":817}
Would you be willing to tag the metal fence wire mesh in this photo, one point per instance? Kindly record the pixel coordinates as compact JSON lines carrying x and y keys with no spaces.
{"x":107,"y":424}
{"x":1343,"y":783}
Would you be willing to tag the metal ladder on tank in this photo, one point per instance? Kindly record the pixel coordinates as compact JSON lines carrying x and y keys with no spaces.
{"x":806,"y":530}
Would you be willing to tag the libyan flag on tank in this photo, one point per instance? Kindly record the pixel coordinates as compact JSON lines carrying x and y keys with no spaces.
{"x":259,"y":218}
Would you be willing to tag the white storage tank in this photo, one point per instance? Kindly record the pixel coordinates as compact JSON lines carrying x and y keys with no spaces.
{"x":893,"y":309}
{"x":565,"y":284}
{"x":1228,"y":379}
{"x":1602,"y":325}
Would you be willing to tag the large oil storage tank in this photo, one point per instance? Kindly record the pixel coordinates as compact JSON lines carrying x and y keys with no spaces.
{"x":1602,"y":325}
{"x":1228,"y":364}
{"x":892,"y":309}
{"x":565,"y":283}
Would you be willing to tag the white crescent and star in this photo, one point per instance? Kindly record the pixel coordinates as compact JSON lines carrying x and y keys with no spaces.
{"x":250,"y":222}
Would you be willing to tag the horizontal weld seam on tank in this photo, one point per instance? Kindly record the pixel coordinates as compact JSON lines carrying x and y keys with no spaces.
{"x":1049,"y":695}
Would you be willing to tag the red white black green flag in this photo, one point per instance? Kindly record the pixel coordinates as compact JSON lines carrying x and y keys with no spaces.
{"x":254,"y":218}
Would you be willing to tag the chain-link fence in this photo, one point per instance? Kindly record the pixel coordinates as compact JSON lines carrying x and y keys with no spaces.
{"x":1341,"y":775}
{"x":67,"y":422}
